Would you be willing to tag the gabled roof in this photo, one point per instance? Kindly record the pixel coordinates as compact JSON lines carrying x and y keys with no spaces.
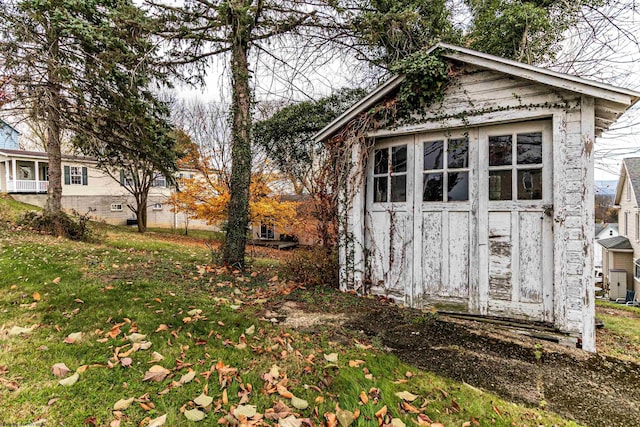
{"x":613,"y":101}
{"x":630,"y":169}
{"x":618,"y":243}
{"x":7,"y":125}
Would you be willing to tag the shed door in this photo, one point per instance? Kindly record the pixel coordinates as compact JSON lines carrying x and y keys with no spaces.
{"x":389,"y":218}
{"x":515,"y":224}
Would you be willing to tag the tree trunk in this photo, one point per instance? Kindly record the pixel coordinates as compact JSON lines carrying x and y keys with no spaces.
{"x":238,"y":220}
{"x":54,"y":191}
{"x":141,"y":212}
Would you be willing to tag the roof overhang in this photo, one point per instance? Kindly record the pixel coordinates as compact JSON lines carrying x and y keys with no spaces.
{"x":611,"y":101}
{"x":621,"y":181}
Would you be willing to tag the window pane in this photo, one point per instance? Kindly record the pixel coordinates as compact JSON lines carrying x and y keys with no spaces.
{"x":399,"y":159}
{"x":399,"y":188}
{"x":530,"y":148}
{"x":458,"y":186}
{"x":500,"y":185}
{"x":380,"y":189}
{"x":432,"y":187}
{"x":458,"y":153}
{"x":500,"y":150}
{"x":381,"y":161}
{"x":433,"y":152}
{"x":530,"y":184}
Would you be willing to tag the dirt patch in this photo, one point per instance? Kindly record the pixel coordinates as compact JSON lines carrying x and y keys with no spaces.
{"x":296,"y":316}
{"x":592,"y":389}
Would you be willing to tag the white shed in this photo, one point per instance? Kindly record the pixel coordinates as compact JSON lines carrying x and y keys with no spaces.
{"x":486,"y":204}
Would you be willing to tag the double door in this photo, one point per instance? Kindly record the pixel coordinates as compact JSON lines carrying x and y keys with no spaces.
{"x":463,"y":220}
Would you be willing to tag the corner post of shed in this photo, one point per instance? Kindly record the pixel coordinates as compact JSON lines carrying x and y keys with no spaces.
{"x":351,"y":226}
{"x":588,"y":291}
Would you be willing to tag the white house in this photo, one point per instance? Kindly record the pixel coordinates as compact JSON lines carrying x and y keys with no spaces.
{"x":622,"y":254}
{"x":85,"y":188}
{"x":602,"y":231}
{"x":485,"y":204}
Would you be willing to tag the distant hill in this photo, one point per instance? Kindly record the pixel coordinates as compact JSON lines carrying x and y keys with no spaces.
{"x":605,"y":187}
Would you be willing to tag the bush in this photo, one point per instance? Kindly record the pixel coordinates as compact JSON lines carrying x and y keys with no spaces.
{"x":315,"y":266}
{"x":74,"y":227}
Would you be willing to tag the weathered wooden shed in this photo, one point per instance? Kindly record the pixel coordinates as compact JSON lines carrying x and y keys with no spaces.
{"x":484,"y":204}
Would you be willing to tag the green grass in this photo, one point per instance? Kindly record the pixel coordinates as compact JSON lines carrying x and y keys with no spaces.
{"x":621,"y":335}
{"x":193,"y":233}
{"x":143,"y":282}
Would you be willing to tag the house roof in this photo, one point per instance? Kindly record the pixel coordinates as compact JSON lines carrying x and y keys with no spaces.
{"x":630,"y":168}
{"x":599,"y":228}
{"x":40,"y":155}
{"x":611,"y":101}
{"x":602,"y":227}
{"x":619,"y":243}
{"x":5,"y":124}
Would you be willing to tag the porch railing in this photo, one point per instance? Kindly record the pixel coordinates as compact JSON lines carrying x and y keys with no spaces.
{"x":27,"y":186}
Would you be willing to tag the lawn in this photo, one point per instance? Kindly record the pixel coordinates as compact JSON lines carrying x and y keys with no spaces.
{"x":138,"y":330}
{"x":620,"y":336}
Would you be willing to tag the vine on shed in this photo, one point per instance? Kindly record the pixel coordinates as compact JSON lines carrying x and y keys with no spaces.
{"x":426,"y":76}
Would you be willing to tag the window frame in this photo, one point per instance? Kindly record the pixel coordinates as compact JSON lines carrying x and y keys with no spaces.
{"x":157,"y":206}
{"x":114,"y":207}
{"x":77,"y":174}
{"x":636,"y":268}
{"x":389,"y":174}
{"x":445,"y":170}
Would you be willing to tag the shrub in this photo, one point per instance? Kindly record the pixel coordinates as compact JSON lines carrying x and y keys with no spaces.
{"x":315,"y":266}
{"x":73,"y":227}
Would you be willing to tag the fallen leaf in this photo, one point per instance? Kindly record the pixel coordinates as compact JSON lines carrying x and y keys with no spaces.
{"x":136,"y":337}
{"x":194,"y":415}
{"x":497,"y":411}
{"x":18,"y":330}
{"x":247,"y":411}
{"x":356,"y":363}
{"x":126,"y":362}
{"x":203,"y":400}
{"x":282,"y":391}
{"x":56,"y":280}
{"x":70,"y":380}
{"x":114,"y":423}
{"x":345,"y":418}
{"x":298,"y":403}
{"x":188,"y":377}
{"x":73,"y":338}
{"x":162,"y":327}
{"x":250,"y":330}
{"x":60,"y":370}
{"x":397,"y":422}
{"x":156,"y":373}
{"x":290,"y":421}
{"x":158,"y":422}
{"x":156,"y":357}
{"x":52,"y":401}
{"x":36,"y":296}
{"x":405,"y":395}
{"x":331,"y":357}
{"x":9,"y":384}
{"x":364,"y":398}
{"x":332,"y":420}
{"x":123,"y":404}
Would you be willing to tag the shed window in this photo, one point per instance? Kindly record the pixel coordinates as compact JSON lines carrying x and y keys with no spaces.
{"x":390,"y":164}
{"x":515,"y":169}
{"x":445,"y":170}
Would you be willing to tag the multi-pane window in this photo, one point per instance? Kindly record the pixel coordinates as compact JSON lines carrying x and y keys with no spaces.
{"x":445,"y":175}
{"x":116,"y":207}
{"x":75,"y":174}
{"x":637,"y":227}
{"x":390,"y":174}
{"x":636,"y":268}
{"x":159,"y":181}
{"x":515,"y":166}
{"x":267,"y":231}
{"x":157,"y":206}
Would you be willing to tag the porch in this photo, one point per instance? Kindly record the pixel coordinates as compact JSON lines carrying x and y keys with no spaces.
{"x":25,"y":176}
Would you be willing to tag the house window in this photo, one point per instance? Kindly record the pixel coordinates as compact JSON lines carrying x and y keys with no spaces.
{"x":75,"y":174}
{"x":626,"y":224}
{"x":637,"y":227}
{"x":157,"y":206}
{"x":636,"y":269}
{"x":116,"y":207}
{"x":390,"y":174}
{"x":159,"y":181}
{"x":267,"y":231}
{"x":628,"y":189}
{"x":515,"y":166}
{"x":445,"y":166}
